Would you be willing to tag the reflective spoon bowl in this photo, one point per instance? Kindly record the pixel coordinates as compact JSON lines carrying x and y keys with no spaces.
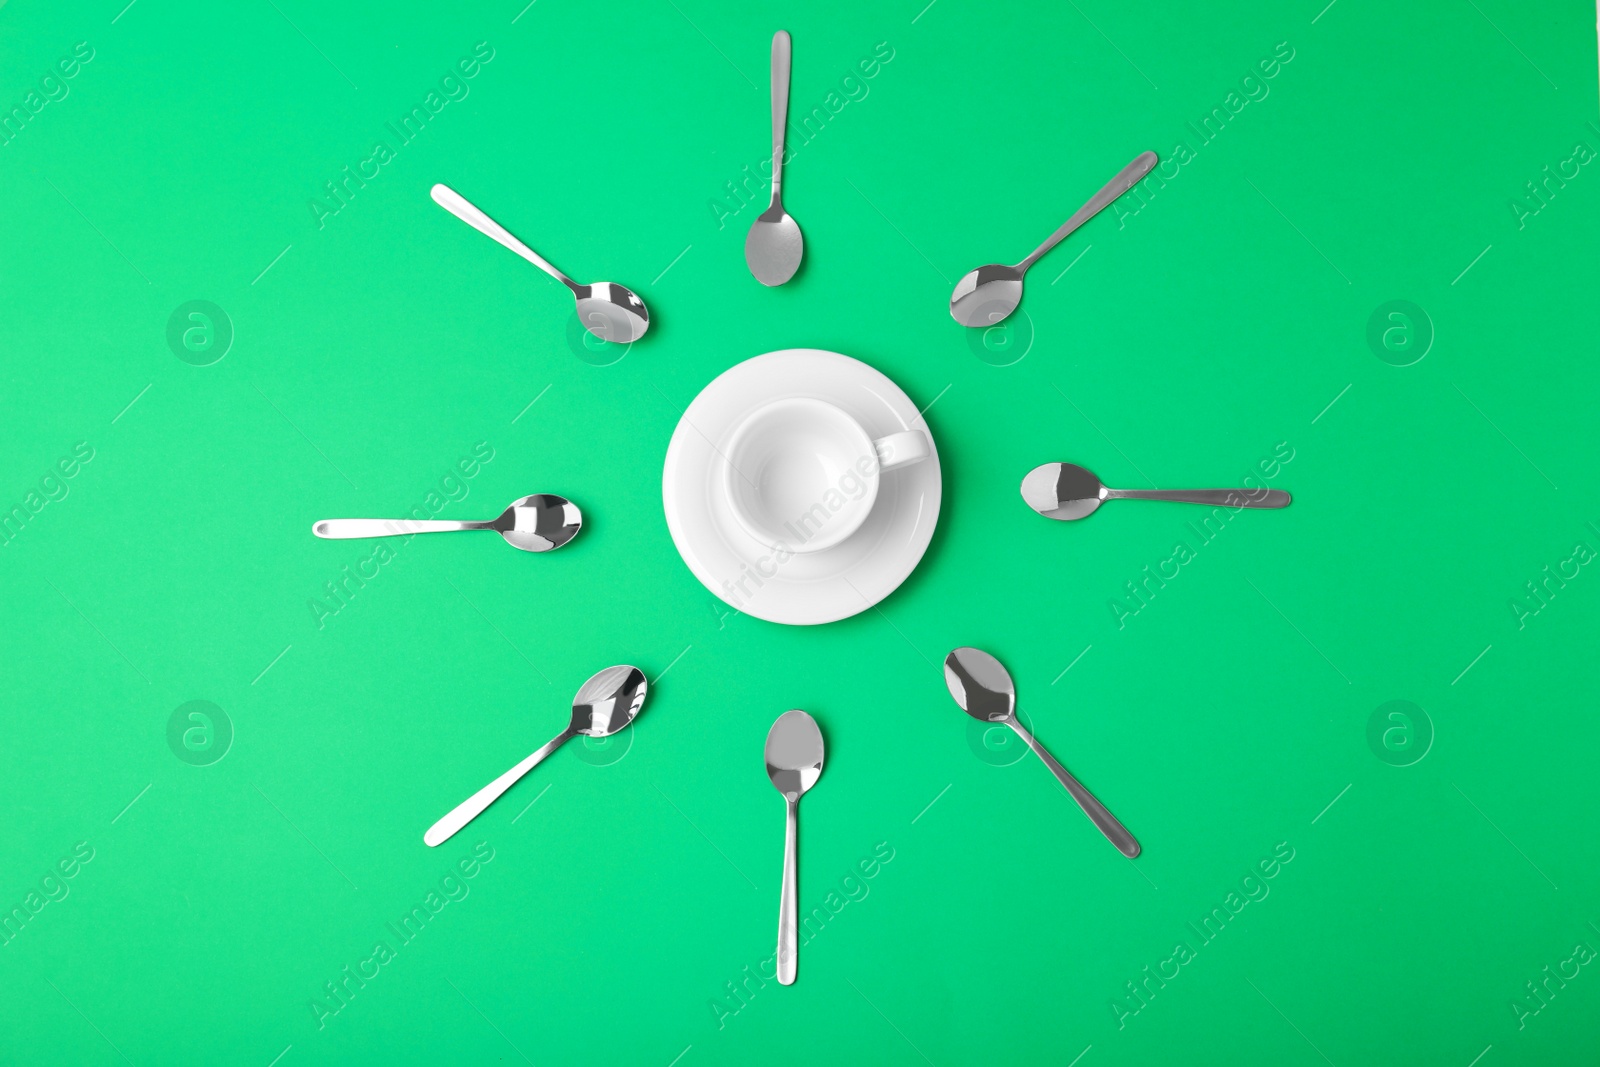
{"x":542,"y":522}
{"x":610,"y":311}
{"x":774,"y":247}
{"x":987,"y":295}
{"x":1067,"y":491}
{"x":984,"y":690}
{"x":794,"y":763}
{"x":607,"y":703}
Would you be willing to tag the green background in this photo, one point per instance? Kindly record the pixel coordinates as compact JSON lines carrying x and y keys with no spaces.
{"x":1222,"y":321}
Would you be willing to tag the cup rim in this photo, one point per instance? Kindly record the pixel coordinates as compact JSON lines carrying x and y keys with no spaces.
{"x":823,"y":541}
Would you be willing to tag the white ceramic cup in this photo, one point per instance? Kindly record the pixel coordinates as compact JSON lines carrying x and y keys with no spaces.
{"x":802,"y":475}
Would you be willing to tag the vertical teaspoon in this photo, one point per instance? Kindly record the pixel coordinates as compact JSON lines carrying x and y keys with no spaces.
{"x":774,"y":247}
{"x":794,"y":763}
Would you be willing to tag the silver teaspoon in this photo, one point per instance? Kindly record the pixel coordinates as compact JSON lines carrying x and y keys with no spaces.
{"x":537,"y":523}
{"x":794,"y":763}
{"x":609,"y":311}
{"x":1068,"y":491}
{"x":774,"y":247}
{"x":985,"y":691}
{"x":987,"y":295}
{"x":607,"y":703}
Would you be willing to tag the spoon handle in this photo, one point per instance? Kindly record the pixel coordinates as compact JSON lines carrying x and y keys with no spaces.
{"x":343,"y":529}
{"x":1114,"y":188}
{"x":473,"y":806}
{"x":788,"y":926}
{"x":1232,"y":498}
{"x":458,"y":206}
{"x":1115,"y":832}
{"x":782,"y":51}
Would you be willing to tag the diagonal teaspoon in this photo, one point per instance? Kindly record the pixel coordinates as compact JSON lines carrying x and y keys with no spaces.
{"x":609,"y":311}
{"x":985,"y":691}
{"x":987,"y":295}
{"x":1068,"y":491}
{"x":606,"y":704}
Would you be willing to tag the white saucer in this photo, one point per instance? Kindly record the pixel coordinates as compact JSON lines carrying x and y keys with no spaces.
{"x":809,"y":587}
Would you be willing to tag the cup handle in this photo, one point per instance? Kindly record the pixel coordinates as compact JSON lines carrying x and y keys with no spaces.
{"x":901,"y":449}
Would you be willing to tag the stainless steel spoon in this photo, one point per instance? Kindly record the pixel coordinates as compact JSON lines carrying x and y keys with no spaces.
{"x":537,"y":523}
{"x":794,"y":763}
{"x":1067,"y":491}
{"x":987,"y":295}
{"x":607,"y":703}
{"x":985,"y":691}
{"x":609,"y":311}
{"x":775,"y":246}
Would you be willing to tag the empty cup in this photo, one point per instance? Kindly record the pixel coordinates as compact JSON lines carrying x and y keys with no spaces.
{"x":802,"y":475}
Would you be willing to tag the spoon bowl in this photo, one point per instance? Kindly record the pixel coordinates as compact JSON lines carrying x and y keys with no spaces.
{"x":1062,"y":491}
{"x":774,"y":247}
{"x":612,"y":312}
{"x":794,"y":753}
{"x":609,"y":701}
{"x":980,"y":685}
{"x":605,"y":704}
{"x":539,"y":523}
{"x":987,"y":295}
